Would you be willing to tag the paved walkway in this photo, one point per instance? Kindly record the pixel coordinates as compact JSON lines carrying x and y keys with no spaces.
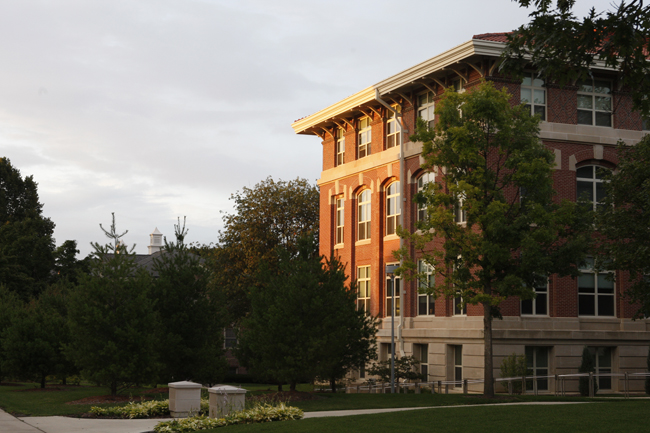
{"x":63,"y":424}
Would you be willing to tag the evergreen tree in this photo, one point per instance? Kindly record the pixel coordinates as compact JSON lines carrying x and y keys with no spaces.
{"x":112,"y":318}
{"x":588,"y":365}
{"x":10,"y":304}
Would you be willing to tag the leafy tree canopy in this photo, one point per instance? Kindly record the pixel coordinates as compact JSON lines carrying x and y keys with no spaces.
{"x":487,"y":152}
{"x":563,"y":47}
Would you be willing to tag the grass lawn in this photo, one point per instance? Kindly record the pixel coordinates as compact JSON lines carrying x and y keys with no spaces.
{"x":627,"y":416}
{"x":15,"y":400}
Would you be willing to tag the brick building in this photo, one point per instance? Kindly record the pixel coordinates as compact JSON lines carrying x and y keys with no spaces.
{"x":371,"y":172}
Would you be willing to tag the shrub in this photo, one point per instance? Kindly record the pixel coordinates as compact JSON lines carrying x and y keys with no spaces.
{"x":588,"y":366}
{"x":259,"y":414}
{"x":143,"y":409}
{"x":514,"y":366}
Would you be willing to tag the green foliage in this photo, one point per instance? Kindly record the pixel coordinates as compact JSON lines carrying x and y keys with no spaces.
{"x":32,"y":346}
{"x":564,"y":47}
{"x":66,"y":265}
{"x":271,"y":214}
{"x":405,"y":368}
{"x":303,"y":322}
{"x":10,"y":305}
{"x":112,"y":319}
{"x":259,"y":414}
{"x":588,"y":365}
{"x":143,"y":409}
{"x":514,"y":366}
{"x":486,"y":151}
{"x":191,"y":331}
{"x":624,"y":222}
{"x":26,"y":243}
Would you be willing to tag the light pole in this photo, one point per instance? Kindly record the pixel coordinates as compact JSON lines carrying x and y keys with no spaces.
{"x":390,"y":269}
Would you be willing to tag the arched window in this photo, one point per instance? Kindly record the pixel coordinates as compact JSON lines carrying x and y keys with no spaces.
{"x":393,"y":208}
{"x":363,"y":200}
{"x":426,"y":178}
{"x":590,"y":185}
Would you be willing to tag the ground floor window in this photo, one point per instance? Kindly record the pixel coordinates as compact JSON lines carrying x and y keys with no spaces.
{"x":537,"y":364}
{"x":457,"y":352}
{"x":603,"y":358}
{"x":421,"y":352}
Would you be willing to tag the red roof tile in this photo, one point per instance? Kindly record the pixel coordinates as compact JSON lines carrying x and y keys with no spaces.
{"x":496,"y":37}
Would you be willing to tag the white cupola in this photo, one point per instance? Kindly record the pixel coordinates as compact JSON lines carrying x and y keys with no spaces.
{"x":156,"y":241}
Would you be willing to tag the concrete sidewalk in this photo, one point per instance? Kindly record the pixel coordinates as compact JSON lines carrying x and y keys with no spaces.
{"x":63,"y":424}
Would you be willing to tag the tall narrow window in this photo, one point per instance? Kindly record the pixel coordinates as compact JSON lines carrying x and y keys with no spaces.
{"x":537,"y":363}
{"x":426,"y":108}
{"x":421,"y":353}
{"x":393,"y":208}
{"x":340,"y":219}
{"x":392,"y":129}
{"x":603,"y":358}
{"x":363,"y":288}
{"x":457,"y":353}
{"x":426,"y":303}
{"x":646,"y":124}
{"x":595,"y":103}
{"x":590,"y":185}
{"x":363,"y":200}
{"x":595,"y":292}
{"x":533,"y":95}
{"x":539,"y":305}
{"x":389,"y":295}
{"x":459,"y":308}
{"x":460,"y":214}
{"x":340,"y":146}
{"x":426,"y":178}
{"x":365,"y":137}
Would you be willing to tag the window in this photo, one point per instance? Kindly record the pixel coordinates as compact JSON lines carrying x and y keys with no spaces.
{"x":363,"y":288}
{"x":426,"y":178}
{"x":389,"y":295}
{"x":230,"y":339}
{"x":426,"y":108}
{"x":426,"y":303}
{"x":393,"y":208}
{"x":340,"y":219}
{"x":537,"y":364}
{"x":421,"y":353}
{"x":364,"y":215}
{"x":595,"y":292}
{"x":340,"y":146}
{"x":603,"y":358}
{"x":393,"y":136}
{"x":365,"y":137}
{"x":458,"y":85}
{"x":460,"y":214}
{"x":533,"y":95}
{"x":457,"y":353}
{"x":458,"y":311}
{"x":539,"y":305}
{"x":646,"y":124}
{"x":594,"y":103}
{"x":590,"y":185}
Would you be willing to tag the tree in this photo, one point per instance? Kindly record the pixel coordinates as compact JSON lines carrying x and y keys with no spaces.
{"x":271,"y":214}
{"x":564,"y":48}
{"x":66,"y":265}
{"x":404,"y":369}
{"x":624,"y":222}
{"x":303,"y":321}
{"x":191,"y":328}
{"x":507,"y":242}
{"x":112,"y":318}
{"x":26,"y":243}
{"x":588,"y":365}
{"x":10,"y":304}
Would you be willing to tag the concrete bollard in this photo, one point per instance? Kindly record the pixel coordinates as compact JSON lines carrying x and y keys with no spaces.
{"x":225,"y":399}
{"x":184,"y":398}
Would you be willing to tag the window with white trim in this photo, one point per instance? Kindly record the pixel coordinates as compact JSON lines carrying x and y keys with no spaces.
{"x":426,"y":178}
{"x":365,"y":137}
{"x":460,"y":214}
{"x":457,"y":354}
{"x":590,"y":188}
{"x":603,"y":359}
{"x":393,"y":208}
{"x":458,"y":85}
{"x":340,"y":219}
{"x":595,"y":292}
{"x":537,"y":306}
{"x":393,"y":136}
{"x":426,"y":108}
{"x":389,"y":295}
{"x":363,"y":288}
{"x":340,"y":146}
{"x":363,"y":199}
{"x":537,"y":365}
{"x":421,"y":353}
{"x":595,"y":102}
{"x":459,"y":308}
{"x":426,"y":303}
{"x":230,"y":338}
{"x":533,"y":95}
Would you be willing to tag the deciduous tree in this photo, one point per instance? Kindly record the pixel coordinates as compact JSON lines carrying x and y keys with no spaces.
{"x":495,"y":243}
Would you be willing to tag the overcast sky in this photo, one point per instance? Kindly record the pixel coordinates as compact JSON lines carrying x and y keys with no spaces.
{"x":161,"y":108}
